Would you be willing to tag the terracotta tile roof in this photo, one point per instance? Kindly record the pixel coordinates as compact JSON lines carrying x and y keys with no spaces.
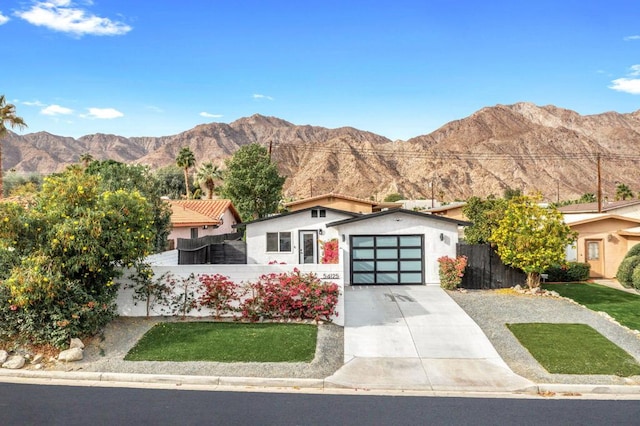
{"x":200,"y":212}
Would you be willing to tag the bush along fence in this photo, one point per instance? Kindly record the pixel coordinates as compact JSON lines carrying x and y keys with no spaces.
{"x":292,"y":295}
{"x":569,"y":272}
{"x":451,"y":271}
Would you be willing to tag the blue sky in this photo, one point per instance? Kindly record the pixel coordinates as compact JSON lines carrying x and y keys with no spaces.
{"x":397,"y":68}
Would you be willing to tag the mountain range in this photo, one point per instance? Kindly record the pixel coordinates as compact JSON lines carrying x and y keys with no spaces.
{"x":522,"y":146}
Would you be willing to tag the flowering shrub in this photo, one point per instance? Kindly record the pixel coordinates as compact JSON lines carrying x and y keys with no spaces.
{"x":219,"y":293}
{"x":291,"y":295}
{"x":330,"y":253}
{"x":451,"y":271}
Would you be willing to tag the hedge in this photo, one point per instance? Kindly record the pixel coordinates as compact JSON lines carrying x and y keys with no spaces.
{"x":570,"y":272}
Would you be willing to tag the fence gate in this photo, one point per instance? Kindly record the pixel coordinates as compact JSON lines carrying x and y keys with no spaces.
{"x":485,"y":270}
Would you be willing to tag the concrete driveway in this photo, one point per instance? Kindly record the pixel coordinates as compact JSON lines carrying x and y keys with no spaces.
{"x":417,"y":338}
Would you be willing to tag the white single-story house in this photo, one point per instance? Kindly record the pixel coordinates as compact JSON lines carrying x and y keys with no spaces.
{"x":393,"y":246}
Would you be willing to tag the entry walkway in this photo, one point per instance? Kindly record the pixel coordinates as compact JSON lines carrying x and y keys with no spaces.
{"x":417,"y":337}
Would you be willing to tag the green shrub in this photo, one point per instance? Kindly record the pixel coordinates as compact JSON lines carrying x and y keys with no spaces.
{"x":625,"y":270}
{"x":570,"y":272}
{"x":633,"y":251}
{"x":635,"y":277}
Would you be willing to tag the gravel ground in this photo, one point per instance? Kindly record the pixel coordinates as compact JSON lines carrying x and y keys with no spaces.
{"x":107,"y":355}
{"x":491,"y":310}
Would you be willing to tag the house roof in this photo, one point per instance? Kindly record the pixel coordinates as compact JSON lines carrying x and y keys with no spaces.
{"x":593,"y":207}
{"x":584,"y":218}
{"x":400,"y":211}
{"x":200,"y":212}
{"x":373,"y":204}
{"x":285,"y":214}
{"x":447,"y":207}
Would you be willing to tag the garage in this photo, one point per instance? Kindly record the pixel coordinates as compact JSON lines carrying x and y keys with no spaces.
{"x":387,"y":259}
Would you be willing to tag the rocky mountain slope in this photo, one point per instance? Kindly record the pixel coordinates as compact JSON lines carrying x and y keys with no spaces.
{"x":521,"y":146}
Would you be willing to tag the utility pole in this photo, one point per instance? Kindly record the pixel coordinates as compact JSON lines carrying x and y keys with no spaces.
{"x":599,"y":183}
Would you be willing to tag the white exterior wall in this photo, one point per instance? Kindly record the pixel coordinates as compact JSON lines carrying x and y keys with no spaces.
{"x":256,"y":235}
{"x":405,"y":224}
{"x":129,"y":307}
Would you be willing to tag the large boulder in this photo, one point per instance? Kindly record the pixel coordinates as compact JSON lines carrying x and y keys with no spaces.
{"x":76,"y":343}
{"x":73,"y":354}
{"x":14,"y":362}
{"x":3,"y":356}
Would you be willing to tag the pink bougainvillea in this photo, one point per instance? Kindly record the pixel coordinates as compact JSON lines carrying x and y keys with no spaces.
{"x":330,"y":253}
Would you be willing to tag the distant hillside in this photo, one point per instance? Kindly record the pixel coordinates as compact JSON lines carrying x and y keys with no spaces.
{"x":520,"y":146}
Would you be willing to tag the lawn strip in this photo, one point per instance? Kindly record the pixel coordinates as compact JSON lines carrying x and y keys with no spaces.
{"x":226,"y":342}
{"x":574,"y":349}
{"x":622,"y":306}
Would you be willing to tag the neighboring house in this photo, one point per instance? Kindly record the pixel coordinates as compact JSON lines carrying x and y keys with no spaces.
{"x":629,"y":208}
{"x":393,"y":246}
{"x":603,"y":240}
{"x":452,"y":211}
{"x":341,"y":202}
{"x":199,"y":218}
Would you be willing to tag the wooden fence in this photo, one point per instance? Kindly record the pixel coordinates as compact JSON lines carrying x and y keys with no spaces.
{"x":485,"y":270}
{"x":224,"y":249}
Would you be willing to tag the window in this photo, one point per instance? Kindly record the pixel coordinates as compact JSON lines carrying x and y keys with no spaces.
{"x":194,"y":233}
{"x":279,"y":241}
{"x":318,"y":213}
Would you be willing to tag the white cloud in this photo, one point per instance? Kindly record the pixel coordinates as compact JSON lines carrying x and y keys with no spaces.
{"x":154,"y":108}
{"x":33,"y":103}
{"x":627,"y":85}
{"x":259,"y":96}
{"x":3,"y":19}
{"x":103,"y":113}
{"x":56,"y":110}
{"x":63,"y":16}
{"x":633,"y":37}
{"x":209,"y":115}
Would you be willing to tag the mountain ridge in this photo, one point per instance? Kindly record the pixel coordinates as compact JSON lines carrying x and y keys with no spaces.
{"x":521,"y":146}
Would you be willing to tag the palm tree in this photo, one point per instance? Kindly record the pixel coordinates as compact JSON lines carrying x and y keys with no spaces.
{"x":623,"y":192}
{"x":207,"y":175}
{"x":85,"y":159}
{"x":186,"y":160}
{"x":7,"y":117}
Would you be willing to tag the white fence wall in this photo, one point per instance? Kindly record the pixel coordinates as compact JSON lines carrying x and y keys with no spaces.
{"x":129,"y":307}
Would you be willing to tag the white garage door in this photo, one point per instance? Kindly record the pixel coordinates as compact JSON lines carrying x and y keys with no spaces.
{"x":387,"y":259}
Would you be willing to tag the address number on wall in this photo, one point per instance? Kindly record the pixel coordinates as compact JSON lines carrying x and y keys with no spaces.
{"x":330,"y":277}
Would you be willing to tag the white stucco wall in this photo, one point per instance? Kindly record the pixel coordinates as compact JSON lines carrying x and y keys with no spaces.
{"x":256,"y":235}
{"x":405,"y":224}
{"x":129,"y":307}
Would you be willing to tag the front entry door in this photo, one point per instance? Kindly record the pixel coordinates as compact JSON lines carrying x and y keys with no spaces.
{"x":308,"y":247}
{"x":594,"y":257}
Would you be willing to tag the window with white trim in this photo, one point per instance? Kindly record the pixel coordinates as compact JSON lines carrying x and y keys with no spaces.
{"x":279,"y":241}
{"x":318,"y":213}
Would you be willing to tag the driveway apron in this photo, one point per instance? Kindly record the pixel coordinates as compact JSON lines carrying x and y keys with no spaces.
{"x":417,"y":338}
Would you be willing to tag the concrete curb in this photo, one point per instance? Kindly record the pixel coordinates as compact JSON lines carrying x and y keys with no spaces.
{"x":543,"y":389}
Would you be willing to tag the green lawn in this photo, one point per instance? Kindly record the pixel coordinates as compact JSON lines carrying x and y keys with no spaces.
{"x":574,"y":349}
{"x":226,"y":342}
{"x":623,"y":306}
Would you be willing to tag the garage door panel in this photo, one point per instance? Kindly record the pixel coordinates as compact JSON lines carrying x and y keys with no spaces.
{"x":387,"y":259}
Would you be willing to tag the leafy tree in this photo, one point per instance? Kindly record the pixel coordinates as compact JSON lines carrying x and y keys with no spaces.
{"x":531,"y":237}
{"x":207,"y":175}
{"x":510,"y":193}
{"x":66,"y":252}
{"x":252,"y":182}
{"x":9,"y":118}
{"x":170,"y":181}
{"x":484,"y":216}
{"x":185,"y":160}
{"x":392,"y":198}
{"x":116,"y":175}
{"x":623,"y":192}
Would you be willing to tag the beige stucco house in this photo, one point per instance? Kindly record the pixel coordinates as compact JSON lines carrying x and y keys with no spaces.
{"x":341,"y":202}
